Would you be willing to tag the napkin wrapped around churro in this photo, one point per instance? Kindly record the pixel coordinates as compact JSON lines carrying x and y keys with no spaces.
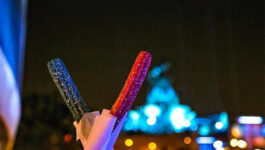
{"x":99,"y":131}
{"x":95,"y":131}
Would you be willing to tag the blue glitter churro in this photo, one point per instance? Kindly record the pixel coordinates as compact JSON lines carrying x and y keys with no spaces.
{"x":67,"y":88}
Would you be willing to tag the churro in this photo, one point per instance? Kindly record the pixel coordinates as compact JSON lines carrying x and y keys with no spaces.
{"x":67,"y":88}
{"x":131,"y":86}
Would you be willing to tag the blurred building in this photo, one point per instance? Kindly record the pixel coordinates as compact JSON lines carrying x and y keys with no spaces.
{"x":169,"y":124}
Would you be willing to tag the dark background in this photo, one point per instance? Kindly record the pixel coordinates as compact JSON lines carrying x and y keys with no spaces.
{"x":216,"y":49}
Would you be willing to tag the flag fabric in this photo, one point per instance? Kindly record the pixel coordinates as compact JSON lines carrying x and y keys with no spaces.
{"x":9,"y":99}
{"x":12,"y":41}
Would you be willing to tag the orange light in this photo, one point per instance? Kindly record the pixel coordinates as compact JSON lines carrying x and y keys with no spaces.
{"x":259,"y":141}
{"x":67,"y":138}
{"x":187,"y":140}
{"x":236,"y":131}
{"x":152,"y":145}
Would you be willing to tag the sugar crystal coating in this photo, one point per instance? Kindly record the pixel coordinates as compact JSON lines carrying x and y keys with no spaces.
{"x":131,"y":86}
{"x":67,"y":88}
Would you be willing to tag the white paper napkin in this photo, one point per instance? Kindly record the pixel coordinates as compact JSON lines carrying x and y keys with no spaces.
{"x":96,"y":131}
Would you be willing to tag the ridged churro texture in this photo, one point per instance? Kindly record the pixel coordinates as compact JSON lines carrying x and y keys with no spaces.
{"x":67,"y":88}
{"x":132,"y":85}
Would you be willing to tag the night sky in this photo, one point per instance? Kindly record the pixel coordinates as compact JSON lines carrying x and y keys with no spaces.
{"x":216,"y":49}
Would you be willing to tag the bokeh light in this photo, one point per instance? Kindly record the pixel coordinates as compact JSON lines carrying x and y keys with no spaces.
{"x":219,"y":125}
{"x":205,"y":140}
{"x":250,"y":120}
{"x":187,"y":123}
{"x":234,"y":142}
{"x":151,"y":121}
{"x":152,"y":110}
{"x":236,"y":131}
{"x":187,"y":140}
{"x":129,"y":142}
{"x":242,"y":144}
{"x":204,"y":130}
{"x":218,"y":144}
{"x":152,"y":145}
{"x":134,"y":115}
{"x":67,"y":138}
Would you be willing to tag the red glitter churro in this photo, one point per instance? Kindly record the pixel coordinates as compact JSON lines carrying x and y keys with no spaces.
{"x":131,"y":86}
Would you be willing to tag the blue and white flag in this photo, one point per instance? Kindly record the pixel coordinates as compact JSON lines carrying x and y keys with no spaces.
{"x":12,"y":40}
